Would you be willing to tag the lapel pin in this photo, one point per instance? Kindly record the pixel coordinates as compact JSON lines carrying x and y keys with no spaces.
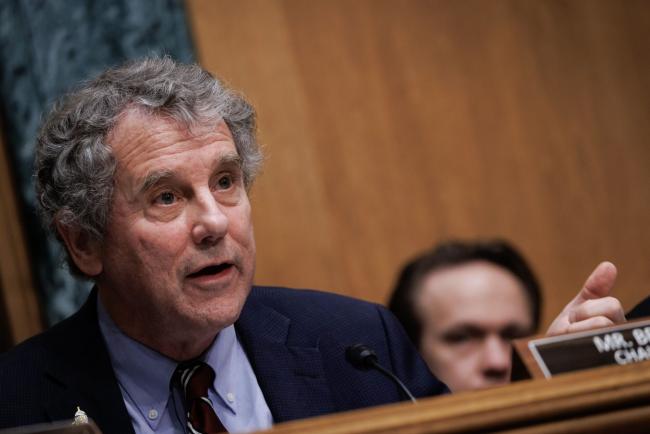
{"x":80,"y":417}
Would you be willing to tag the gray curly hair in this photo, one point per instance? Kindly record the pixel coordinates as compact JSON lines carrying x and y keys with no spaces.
{"x":74,"y":165}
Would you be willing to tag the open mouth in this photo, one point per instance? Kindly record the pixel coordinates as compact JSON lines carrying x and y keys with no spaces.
{"x":212,"y":270}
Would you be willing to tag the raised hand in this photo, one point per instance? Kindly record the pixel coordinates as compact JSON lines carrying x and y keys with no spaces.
{"x":593,"y":307}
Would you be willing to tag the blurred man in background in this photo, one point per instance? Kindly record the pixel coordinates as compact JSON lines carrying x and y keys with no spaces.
{"x":462,"y":303}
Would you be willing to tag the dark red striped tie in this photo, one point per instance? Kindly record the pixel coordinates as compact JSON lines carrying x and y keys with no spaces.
{"x":194,"y":379}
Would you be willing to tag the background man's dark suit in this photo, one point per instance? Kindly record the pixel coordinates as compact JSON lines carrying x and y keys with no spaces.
{"x":295,"y":341}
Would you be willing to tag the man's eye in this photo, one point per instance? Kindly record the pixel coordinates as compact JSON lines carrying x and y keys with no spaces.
{"x":463,"y":336}
{"x":456,"y":338}
{"x":225,"y":182}
{"x":510,"y":334}
{"x":166,"y":198}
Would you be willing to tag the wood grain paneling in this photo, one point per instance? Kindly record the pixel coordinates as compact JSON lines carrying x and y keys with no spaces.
{"x":390,"y":125}
{"x":603,"y":400}
{"x":18,"y":307}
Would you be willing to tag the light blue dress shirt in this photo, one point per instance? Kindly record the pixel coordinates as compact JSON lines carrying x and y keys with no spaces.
{"x":144,"y":376}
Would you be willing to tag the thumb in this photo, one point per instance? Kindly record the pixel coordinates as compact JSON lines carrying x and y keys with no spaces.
{"x":598,"y":285}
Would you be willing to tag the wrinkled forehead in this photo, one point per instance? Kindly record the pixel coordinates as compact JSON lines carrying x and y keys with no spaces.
{"x":142,"y":144}
{"x":139,"y":131}
{"x":136,"y":118}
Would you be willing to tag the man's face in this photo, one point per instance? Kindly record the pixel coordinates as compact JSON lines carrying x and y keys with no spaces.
{"x":179,"y":253}
{"x":470,"y":313}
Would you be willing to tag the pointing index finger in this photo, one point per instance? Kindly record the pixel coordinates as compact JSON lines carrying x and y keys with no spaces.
{"x":599,"y":283}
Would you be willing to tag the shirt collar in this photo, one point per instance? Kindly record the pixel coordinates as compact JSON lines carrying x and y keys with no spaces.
{"x":147,"y":381}
{"x":222,"y":356}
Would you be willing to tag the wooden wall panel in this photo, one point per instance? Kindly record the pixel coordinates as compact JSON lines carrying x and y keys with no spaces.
{"x":390,"y":125}
{"x":19,"y":311}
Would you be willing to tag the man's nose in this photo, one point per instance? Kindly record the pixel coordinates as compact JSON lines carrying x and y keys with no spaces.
{"x":210,"y":223}
{"x":496,"y":358}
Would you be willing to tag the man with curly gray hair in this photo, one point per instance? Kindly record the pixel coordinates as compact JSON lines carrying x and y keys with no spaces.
{"x":143,"y":174}
{"x":74,"y":162}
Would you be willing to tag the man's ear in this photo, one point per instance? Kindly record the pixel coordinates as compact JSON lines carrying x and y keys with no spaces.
{"x":84,"y":250}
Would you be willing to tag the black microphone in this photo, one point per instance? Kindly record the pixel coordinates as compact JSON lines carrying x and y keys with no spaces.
{"x":364,"y":357}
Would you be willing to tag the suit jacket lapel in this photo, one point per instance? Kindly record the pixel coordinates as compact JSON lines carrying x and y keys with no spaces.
{"x":292,"y":378}
{"x":84,"y":374}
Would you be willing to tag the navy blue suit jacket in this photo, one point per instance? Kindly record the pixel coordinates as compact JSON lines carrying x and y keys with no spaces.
{"x":295,"y":340}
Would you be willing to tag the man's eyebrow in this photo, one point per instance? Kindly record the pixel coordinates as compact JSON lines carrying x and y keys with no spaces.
{"x":465,"y":328}
{"x":154,"y":178}
{"x":230,"y":159}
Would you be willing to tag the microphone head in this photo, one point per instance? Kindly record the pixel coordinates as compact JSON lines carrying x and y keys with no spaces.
{"x":361,"y":356}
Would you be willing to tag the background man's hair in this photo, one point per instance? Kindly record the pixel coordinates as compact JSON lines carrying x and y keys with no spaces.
{"x":452,"y":253}
{"x":74,"y":166}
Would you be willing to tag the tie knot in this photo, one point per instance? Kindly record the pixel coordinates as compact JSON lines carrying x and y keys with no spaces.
{"x":194,"y":379}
